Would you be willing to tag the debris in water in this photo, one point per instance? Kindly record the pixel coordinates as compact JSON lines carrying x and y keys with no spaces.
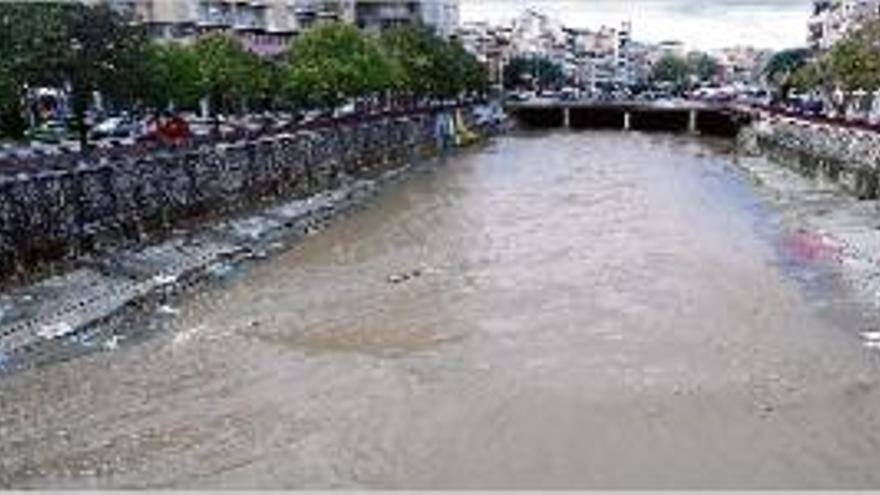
{"x":163,"y":279}
{"x":404,"y":277}
{"x":55,"y":330}
{"x":112,"y":343}
{"x":165,"y":309}
{"x":807,"y":247}
{"x":83,"y":340}
{"x":186,"y":335}
{"x":220,"y":269}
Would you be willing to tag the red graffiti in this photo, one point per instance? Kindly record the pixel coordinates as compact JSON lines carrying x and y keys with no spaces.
{"x":811,"y":247}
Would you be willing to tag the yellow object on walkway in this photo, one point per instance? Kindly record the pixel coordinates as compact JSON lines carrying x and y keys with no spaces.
{"x":463,"y":135}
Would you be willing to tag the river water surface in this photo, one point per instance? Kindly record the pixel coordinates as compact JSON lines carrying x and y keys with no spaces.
{"x":554,"y":310}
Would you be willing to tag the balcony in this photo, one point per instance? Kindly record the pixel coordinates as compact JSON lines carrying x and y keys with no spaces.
{"x":214,"y":13}
{"x":385,"y":14}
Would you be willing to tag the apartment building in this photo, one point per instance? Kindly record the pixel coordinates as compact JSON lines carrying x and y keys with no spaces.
{"x":267,"y":26}
{"x":831,"y":20}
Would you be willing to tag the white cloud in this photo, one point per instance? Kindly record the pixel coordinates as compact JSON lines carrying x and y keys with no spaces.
{"x":700,"y":24}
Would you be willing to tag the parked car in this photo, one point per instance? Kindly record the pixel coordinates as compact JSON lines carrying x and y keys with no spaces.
{"x":52,"y":132}
{"x":119,"y":127}
{"x":520,"y":95}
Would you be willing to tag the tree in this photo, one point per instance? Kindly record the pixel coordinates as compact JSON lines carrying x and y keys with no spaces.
{"x":809,"y":77}
{"x":415,"y":58}
{"x":226,"y":72}
{"x":854,"y":62}
{"x":427,"y":65}
{"x":95,"y":58}
{"x":525,"y":71}
{"x":783,"y":65}
{"x":34,"y":37}
{"x":167,"y":75}
{"x":334,"y":62}
{"x":12,"y":122}
{"x":33,"y":41}
{"x":467,"y":71}
{"x":703,"y":66}
{"x":673,"y":70}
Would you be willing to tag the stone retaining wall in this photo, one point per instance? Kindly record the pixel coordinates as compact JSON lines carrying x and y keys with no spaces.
{"x":850,"y":157}
{"x":66,"y":213}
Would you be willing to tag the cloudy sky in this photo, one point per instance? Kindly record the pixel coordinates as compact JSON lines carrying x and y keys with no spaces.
{"x":699,"y":23}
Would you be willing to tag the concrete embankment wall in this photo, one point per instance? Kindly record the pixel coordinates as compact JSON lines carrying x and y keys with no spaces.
{"x":63,"y":214}
{"x":850,"y":157}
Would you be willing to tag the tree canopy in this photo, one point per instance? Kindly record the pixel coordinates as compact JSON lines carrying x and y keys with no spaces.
{"x":227,"y":72}
{"x":334,"y":62}
{"x":88,"y":49}
{"x":853,"y":63}
{"x":671,"y":69}
{"x":703,"y":66}
{"x":784,"y":64}
{"x":528,"y":71}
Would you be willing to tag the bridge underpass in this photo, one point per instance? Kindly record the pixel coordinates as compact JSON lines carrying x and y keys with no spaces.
{"x":714,"y":121}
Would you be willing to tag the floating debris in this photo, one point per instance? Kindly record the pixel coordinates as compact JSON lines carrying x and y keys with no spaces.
{"x":112,"y":343}
{"x":81,"y":339}
{"x":404,"y":277}
{"x":55,"y":330}
{"x":220,"y":269}
{"x":186,"y":335}
{"x":164,"y":279}
{"x":166,"y":309}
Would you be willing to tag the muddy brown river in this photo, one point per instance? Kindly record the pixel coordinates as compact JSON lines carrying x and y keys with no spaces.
{"x":553,"y":310}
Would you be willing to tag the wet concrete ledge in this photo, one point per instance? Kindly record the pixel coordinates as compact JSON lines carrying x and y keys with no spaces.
{"x":116,"y":276}
{"x":844,"y":156}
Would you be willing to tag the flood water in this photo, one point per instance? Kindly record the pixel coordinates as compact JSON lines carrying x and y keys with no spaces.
{"x":553,"y":310}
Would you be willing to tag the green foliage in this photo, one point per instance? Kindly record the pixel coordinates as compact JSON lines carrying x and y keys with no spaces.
{"x":526,"y":71}
{"x":704,"y":67}
{"x":673,"y":70}
{"x":465,"y":73}
{"x":12,"y":123}
{"x":851,"y":64}
{"x":227,"y":71}
{"x":854,"y":62}
{"x":785,"y":63}
{"x":426,"y":64}
{"x":415,"y":58}
{"x":97,"y":56}
{"x":35,"y":38}
{"x":88,"y":48}
{"x":174,"y":76}
{"x":334,"y":62}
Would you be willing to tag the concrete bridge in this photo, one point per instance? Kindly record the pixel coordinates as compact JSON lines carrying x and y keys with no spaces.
{"x":692,"y":117}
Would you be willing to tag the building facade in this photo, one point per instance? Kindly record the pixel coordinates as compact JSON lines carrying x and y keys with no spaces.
{"x":592,"y":60}
{"x":832,"y":20}
{"x":267,"y":26}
